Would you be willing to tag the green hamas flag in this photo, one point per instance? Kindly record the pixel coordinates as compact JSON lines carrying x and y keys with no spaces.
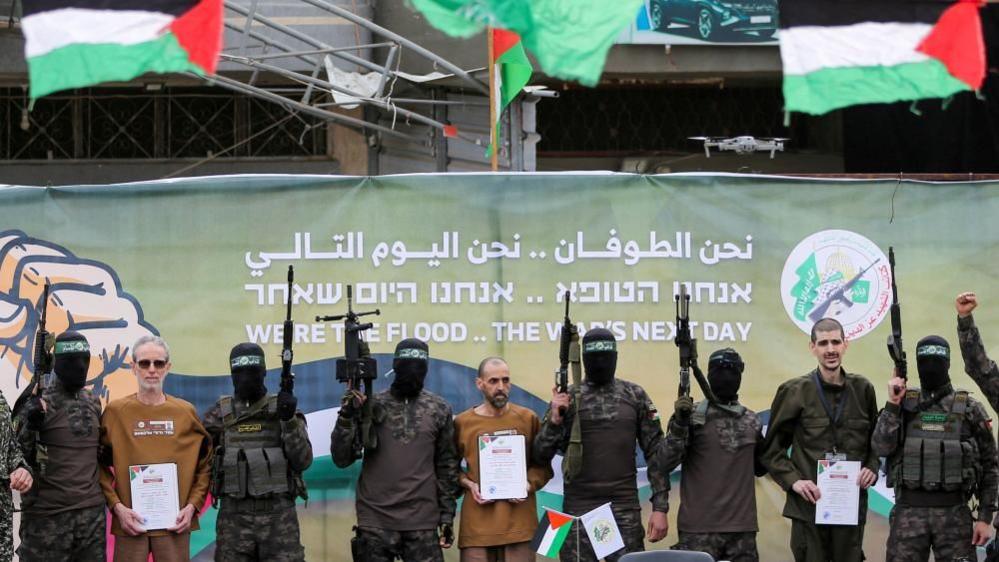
{"x":570,"y":38}
{"x":805,"y":290}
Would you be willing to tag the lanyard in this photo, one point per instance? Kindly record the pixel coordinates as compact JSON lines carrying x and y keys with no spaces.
{"x":833,"y":418}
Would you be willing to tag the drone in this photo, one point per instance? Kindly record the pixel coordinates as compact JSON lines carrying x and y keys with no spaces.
{"x":742,"y":145}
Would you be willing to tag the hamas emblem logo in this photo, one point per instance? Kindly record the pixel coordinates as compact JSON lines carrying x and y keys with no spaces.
{"x":246,"y":361}
{"x":76,"y":346}
{"x":837,"y":274}
{"x":412,"y":353}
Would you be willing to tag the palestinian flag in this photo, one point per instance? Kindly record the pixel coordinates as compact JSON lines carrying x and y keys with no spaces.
{"x":511,"y":73}
{"x":839,"y":53}
{"x":552,"y":531}
{"x":76,"y":43}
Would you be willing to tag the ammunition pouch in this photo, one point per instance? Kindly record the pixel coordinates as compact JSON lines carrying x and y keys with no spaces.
{"x":933,"y":458}
{"x":252,"y":463}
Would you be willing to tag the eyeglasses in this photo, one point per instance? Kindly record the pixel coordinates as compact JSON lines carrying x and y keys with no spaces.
{"x":145,"y":363}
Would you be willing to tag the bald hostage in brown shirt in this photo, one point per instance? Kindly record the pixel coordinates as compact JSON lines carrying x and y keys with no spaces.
{"x":496,"y":530}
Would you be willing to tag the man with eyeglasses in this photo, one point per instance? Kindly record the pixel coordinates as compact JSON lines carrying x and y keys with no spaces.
{"x":148,"y":431}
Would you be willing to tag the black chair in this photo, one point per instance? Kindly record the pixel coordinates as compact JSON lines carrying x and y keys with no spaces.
{"x":667,"y":556}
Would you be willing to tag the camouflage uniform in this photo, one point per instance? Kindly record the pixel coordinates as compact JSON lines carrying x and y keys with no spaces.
{"x":719,"y":519}
{"x":266,"y":527}
{"x":10,"y":460}
{"x":945,"y":528}
{"x":735,"y":547}
{"x":617,"y":402}
{"x":383,"y":545}
{"x":398,"y":517}
{"x":76,"y":530}
{"x":977,"y":364}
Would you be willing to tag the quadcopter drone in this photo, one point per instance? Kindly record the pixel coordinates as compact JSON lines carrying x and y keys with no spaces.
{"x":742,"y":145}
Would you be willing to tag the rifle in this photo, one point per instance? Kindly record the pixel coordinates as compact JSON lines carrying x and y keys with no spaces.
{"x":41,"y":358}
{"x":287,"y":377}
{"x":686,"y":344}
{"x":688,"y":349}
{"x":562,"y":373}
{"x":895,"y":349}
{"x":569,"y":355}
{"x":357,"y":368}
{"x":839,"y":295}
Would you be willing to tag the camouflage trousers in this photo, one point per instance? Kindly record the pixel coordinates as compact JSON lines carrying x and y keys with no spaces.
{"x":384,"y":545}
{"x":735,"y":547}
{"x":77,"y":535}
{"x":6,"y":524}
{"x":629,"y":522}
{"x":914,"y":530}
{"x":826,"y":543}
{"x":244,"y":535}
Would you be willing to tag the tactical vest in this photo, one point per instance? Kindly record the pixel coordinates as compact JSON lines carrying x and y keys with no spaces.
{"x":933,"y":457}
{"x":253,"y":462}
{"x":700,"y":414}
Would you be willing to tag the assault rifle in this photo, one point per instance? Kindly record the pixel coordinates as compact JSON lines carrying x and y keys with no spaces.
{"x":357,"y":368}
{"x":565,"y":341}
{"x":688,"y":348}
{"x":42,"y":360}
{"x":839,"y":295}
{"x":683,"y":340}
{"x":287,"y":377}
{"x":895,"y":349}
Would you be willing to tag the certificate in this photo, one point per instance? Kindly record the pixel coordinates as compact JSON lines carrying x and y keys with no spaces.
{"x":502,"y":467}
{"x":154,"y":494}
{"x":839,"y":500}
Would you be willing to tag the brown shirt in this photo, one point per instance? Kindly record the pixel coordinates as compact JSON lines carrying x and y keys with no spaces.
{"x":134,"y":433}
{"x":500,"y":522}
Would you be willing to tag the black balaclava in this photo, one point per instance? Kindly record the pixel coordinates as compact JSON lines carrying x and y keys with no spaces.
{"x":599,"y":356}
{"x":933,"y":362}
{"x":72,"y":360}
{"x":246,"y":363}
{"x":412,"y":357}
{"x":725,"y":368}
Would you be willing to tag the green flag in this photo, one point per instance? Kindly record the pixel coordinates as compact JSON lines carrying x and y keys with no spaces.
{"x":570,"y":38}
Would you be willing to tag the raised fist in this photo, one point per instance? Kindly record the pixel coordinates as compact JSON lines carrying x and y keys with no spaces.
{"x":84,"y":295}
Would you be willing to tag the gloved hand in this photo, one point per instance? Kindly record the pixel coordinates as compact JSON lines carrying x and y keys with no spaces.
{"x":348,"y":405}
{"x":683,"y":408}
{"x":446,"y":531}
{"x":286,"y":405}
{"x":35,"y":413}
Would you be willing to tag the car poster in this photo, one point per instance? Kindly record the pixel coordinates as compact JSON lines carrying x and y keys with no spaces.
{"x":704,"y":22}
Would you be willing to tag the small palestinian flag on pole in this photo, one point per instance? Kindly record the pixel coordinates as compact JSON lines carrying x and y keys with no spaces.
{"x":77,"y":43}
{"x":837,"y":53}
{"x":553,"y":528}
{"x":509,"y":72}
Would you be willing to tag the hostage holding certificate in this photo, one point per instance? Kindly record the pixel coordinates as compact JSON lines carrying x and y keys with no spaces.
{"x":839,"y":502}
{"x":502,"y":467}
{"x":154,"y":494}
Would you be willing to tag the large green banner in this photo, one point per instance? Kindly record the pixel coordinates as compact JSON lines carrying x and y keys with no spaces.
{"x":477,"y":265}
